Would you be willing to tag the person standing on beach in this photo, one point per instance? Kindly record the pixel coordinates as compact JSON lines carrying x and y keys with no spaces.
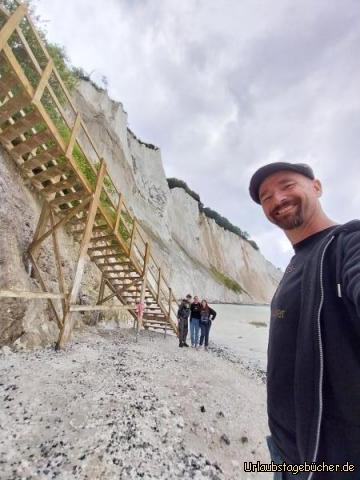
{"x":313,"y":376}
{"x":207,"y":316}
{"x":183,"y":318}
{"x":195,"y":322}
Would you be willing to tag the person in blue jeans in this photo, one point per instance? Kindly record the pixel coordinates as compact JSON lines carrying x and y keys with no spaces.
{"x":207,"y":315}
{"x":195,"y":314}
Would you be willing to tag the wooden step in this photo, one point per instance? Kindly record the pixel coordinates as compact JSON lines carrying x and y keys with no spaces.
{"x":96,"y":228}
{"x":13,"y":105}
{"x":110,"y":255}
{"x":43,"y":158}
{"x":59,"y":186}
{"x":21,"y":126}
{"x":71,"y":197}
{"x":31,"y":143}
{"x":47,"y":174}
{"x":159,"y":327}
{"x":104,"y":267}
{"x":102,"y":238}
{"x":111,"y":272}
{"x":105,"y":247}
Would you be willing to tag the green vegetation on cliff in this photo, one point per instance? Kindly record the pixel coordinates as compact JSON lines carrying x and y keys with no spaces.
{"x":227,"y":281}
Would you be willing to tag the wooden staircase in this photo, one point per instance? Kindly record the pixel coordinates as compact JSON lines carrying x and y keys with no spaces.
{"x":47,"y":138}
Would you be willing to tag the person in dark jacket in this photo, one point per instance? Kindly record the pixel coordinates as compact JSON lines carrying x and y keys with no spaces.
{"x":207,"y":316}
{"x":183,"y":317}
{"x":195,"y":322}
{"x":313,"y":376}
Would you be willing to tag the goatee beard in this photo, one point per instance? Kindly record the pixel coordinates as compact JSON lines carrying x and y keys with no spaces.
{"x":290,"y":222}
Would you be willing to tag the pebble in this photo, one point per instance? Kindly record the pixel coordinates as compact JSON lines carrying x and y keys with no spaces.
{"x":225,"y":439}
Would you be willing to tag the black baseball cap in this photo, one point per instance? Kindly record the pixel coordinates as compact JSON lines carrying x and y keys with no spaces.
{"x":263,"y":172}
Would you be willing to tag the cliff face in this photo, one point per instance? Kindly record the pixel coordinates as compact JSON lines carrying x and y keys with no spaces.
{"x":197,"y":255}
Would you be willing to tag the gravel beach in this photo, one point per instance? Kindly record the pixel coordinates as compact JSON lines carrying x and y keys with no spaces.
{"x":108,"y":407}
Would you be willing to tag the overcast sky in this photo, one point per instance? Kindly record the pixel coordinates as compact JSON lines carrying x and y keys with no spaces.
{"x":224,"y":86}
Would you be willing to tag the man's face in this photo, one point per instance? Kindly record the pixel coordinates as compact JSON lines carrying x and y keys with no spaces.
{"x":289,"y":199}
{"x":196,"y":299}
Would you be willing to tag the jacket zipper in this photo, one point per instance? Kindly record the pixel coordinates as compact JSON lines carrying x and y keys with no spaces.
{"x":321,"y":355}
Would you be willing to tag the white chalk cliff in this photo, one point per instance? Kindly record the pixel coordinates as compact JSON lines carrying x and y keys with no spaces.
{"x":195,"y":253}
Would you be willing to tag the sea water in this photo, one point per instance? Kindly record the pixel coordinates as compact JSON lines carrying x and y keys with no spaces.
{"x":243,"y":330}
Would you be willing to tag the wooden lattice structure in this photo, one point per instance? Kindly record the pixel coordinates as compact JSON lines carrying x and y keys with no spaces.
{"x":49,"y":141}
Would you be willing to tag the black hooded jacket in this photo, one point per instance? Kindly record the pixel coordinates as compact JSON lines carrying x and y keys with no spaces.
{"x":327,"y":364}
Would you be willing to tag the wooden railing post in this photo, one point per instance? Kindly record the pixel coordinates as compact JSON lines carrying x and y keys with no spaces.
{"x":143,"y":289}
{"x":118,"y":213}
{"x":74,"y":133}
{"x":170,"y":295}
{"x":132,"y":240}
{"x":66,"y":329}
{"x":158,"y":289}
{"x":43,"y":82}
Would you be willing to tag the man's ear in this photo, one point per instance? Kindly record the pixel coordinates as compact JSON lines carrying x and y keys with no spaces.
{"x":318,"y":188}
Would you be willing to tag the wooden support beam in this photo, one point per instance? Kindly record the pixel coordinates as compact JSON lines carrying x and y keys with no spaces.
{"x":109,"y":297}
{"x":158,"y":291}
{"x":170,"y":295}
{"x":19,"y":72}
{"x":74,"y":133}
{"x":101,"y":290}
{"x":11,"y":24}
{"x":43,"y":81}
{"x":132,"y":240}
{"x":44,"y":287}
{"x":40,"y":228}
{"x":139,"y":323}
{"x":30,"y":295}
{"x":65,"y":332}
{"x":58,"y":261}
{"x":101,"y":308}
{"x":118,"y":213}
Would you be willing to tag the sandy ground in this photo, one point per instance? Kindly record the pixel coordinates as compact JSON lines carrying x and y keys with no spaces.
{"x":109,"y":407}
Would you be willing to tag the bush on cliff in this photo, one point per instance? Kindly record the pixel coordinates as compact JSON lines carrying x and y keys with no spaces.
{"x":227,"y":281}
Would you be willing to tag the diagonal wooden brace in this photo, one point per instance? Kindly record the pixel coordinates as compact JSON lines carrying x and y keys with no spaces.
{"x":74,"y":211}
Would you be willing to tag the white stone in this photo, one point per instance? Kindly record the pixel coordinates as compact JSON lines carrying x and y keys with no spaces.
{"x":5,"y":350}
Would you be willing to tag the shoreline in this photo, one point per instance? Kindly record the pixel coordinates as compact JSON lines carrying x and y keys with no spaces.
{"x":110,"y":407}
